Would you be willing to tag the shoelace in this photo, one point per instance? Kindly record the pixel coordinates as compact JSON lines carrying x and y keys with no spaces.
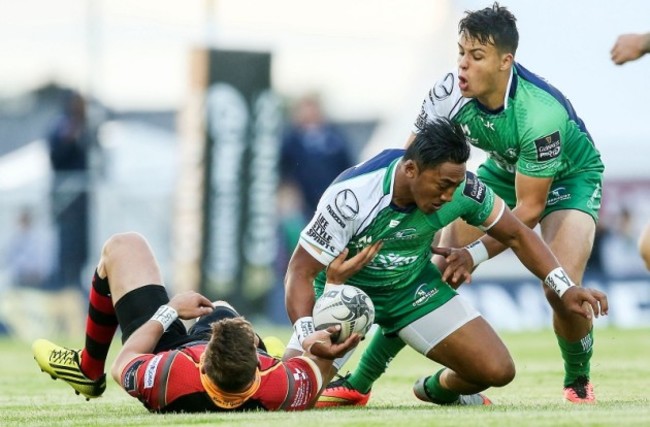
{"x":340,"y":382}
{"x":66,"y":357}
{"x":580,"y":388}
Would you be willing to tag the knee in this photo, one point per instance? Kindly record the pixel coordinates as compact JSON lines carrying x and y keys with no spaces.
{"x":499,"y":374}
{"x":120,"y":243}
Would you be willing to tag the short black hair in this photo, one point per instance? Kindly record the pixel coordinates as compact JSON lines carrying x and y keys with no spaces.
{"x":494,"y":24}
{"x":437,"y":142}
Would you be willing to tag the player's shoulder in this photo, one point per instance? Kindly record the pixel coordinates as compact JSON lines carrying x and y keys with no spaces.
{"x":362,"y":184}
{"x":472,"y":189}
{"x":444,"y":97}
{"x":445,"y":87}
{"x":535,"y":94}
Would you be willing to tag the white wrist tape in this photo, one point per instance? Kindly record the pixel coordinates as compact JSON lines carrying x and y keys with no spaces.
{"x":304,"y":327}
{"x":559,"y":281}
{"x":478,"y":252}
{"x":329,"y":287}
{"x":165,"y":315}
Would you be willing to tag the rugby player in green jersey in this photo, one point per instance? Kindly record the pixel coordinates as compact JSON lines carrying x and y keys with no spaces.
{"x":541,"y":161}
{"x":395,"y":203}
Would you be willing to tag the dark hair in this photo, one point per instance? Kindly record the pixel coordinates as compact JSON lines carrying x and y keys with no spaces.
{"x":231,"y":357}
{"x":494,"y":24}
{"x":438,"y":142}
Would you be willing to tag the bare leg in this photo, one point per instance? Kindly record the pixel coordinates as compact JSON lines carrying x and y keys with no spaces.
{"x":129,"y":263}
{"x":476,"y":359}
{"x":570,"y":235}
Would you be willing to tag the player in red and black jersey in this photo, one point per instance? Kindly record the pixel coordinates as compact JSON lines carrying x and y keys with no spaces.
{"x":219,"y":364}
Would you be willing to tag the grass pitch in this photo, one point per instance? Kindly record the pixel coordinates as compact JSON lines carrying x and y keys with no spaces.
{"x":620,"y":372}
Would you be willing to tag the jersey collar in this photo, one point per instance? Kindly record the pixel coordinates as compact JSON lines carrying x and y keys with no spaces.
{"x":512,"y":86}
{"x":224,"y":399}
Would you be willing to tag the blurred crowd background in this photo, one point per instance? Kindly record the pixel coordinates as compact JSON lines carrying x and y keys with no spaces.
{"x":212,"y":127}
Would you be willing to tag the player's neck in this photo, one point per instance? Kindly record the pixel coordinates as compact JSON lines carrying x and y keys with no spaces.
{"x":495,"y":99}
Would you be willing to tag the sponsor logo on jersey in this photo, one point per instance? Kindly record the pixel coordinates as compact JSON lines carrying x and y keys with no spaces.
{"x":548,"y":147}
{"x":391,"y":261}
{"x":422,"y":117}
{"x":444,"y":88}
{"x":346,"y":204}
{"x":474,"y":187}
{"x":129,"y":380}
{"x":594,"y":200}
{"x":486,"y":123}
{"x":468,"y":132}
{"x":337,"y":218}
{"x":150,"y":371}
{"x":361,"y":242}
{"x":318,"y":232}
{"x":557,"y":195}
{"x":423,"y":294}
{"x":393,"y":223}
{"x":405,"y":234}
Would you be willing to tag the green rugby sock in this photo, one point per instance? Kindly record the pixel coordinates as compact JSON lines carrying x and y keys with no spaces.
{"x":374,"y":361}
{"x":436,"y":392}
{"x":576,"y":356}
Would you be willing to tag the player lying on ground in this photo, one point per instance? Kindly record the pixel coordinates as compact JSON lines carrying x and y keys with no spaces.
{"x":402,"y":198}
{"x":219,"y":365}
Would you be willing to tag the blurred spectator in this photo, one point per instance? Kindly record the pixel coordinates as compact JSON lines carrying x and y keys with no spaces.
{"x":30,"y":254}
{"x":69,"y":142}
{"x":630,"y":47}
{"x":644,"y":245}
{"x":314,"y":152}
{"x":619,"y":248}
{"x":33,"y":304}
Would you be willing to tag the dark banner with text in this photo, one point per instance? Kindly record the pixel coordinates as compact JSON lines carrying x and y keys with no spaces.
{"x":243,"y":120}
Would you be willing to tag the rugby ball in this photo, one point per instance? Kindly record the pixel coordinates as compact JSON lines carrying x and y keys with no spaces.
{"x":344,"y":305}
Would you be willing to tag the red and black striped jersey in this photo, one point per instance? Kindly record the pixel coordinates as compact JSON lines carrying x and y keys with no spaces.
{"x":170,"y":382}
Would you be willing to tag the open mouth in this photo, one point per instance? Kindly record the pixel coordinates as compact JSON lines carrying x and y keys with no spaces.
{"x":462,"y":83}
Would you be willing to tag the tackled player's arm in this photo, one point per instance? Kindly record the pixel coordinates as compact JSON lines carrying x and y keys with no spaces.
{"x":531,"y":196}
{"x":142,"y":341}
{"x":299,"y":283}
{"x":187,"y":305}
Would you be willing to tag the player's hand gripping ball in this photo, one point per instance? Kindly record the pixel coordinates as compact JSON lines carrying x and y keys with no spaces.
{"x":347,"y":306}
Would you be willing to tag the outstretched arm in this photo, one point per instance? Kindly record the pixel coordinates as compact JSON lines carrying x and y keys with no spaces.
{"x":188,"y":305}
{"x":533,"y":252}
{"x":531,"y":200}
{"x":538,"y":258}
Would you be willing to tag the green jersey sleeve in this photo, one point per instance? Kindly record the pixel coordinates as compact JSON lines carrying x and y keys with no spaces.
{"x":473,"y":201}
{"x":542,"y":136}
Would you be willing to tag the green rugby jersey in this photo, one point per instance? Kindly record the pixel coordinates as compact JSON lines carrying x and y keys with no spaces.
{"x":537,"y":132}
{"x":356,"y":211}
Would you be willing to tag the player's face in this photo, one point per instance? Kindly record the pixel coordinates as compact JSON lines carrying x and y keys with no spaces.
{"x":480,"y":68}
{"x":432,"y":188}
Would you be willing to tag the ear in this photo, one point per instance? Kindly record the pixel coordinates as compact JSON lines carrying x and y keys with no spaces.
{"x":411,"y":169}
{"x":506,"y":61}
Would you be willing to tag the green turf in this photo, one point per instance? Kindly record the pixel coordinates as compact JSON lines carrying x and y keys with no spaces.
{"x":620,"y":371}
